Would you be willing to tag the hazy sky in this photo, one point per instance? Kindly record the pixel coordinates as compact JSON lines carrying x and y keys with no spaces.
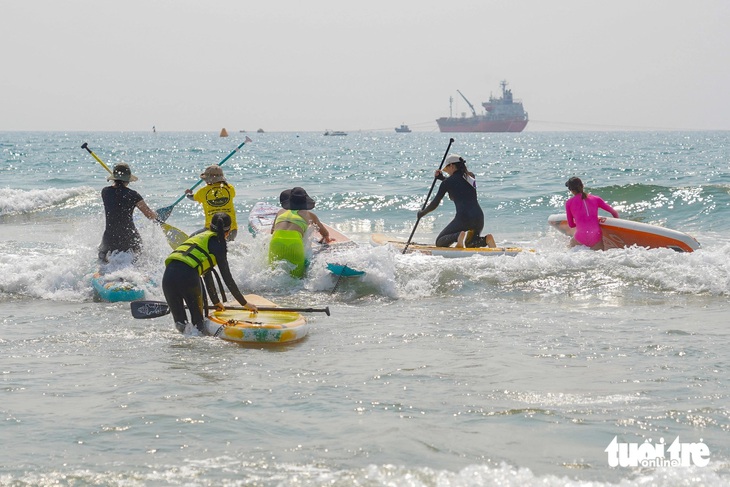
{"x":293,"y":65}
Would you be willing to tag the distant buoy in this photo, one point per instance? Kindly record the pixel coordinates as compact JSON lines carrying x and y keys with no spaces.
{"x":260,"y":131}
{"x":224,"y":132}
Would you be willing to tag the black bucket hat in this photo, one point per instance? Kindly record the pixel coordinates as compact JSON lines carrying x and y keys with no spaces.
{"x":296,"y":199}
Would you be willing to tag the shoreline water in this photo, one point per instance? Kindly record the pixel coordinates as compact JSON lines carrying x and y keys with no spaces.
{"x":430,"y":371}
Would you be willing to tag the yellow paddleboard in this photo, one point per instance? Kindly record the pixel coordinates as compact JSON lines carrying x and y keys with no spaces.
{"x":271,"y":327}
{"x":380,"y":239}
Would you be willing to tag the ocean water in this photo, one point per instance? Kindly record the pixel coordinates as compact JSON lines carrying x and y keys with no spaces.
{"x":507,"y":371}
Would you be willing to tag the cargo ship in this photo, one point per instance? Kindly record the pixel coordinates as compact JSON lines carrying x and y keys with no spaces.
{"x":504,"y":114}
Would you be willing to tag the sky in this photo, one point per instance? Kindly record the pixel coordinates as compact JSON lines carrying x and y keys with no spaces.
{"x":301,"y":66}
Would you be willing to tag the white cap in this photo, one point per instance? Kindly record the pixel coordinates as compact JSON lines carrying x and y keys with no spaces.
{"x":453,"y":159}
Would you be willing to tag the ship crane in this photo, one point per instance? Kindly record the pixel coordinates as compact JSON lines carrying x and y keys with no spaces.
{"x":468,"y":103}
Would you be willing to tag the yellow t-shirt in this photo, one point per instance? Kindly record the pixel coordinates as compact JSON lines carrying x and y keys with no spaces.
{"x":217,"y":198}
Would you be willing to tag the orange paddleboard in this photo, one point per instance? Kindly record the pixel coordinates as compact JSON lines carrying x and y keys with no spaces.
{"x":619,"y":233}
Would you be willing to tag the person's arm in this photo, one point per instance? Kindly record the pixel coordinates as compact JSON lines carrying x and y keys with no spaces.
{"x":146,"y":210}
{"x":434,"y":202}
{"x":222,"y":260}
{"x":602,"y":204}
{"x":313,"y":219}
{"x":569,"y":215}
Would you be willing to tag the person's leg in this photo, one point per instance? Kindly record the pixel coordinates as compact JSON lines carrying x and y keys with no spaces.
{"x":173,"y":286}
{"x":288,"y":245}
{"x":450,"y":234}
{"x":194,"y":300}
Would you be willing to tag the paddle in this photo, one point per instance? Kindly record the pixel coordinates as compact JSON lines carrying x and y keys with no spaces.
{"x":164,"y":213}
{"x":86,"y":146}
{"x":174,"y":235}
{"x":341,"y":270}
{"x":154,"y":309}
{"x":451,"y":141}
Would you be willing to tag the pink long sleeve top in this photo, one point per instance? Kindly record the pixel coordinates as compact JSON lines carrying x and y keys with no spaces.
{"x":582,"y":215}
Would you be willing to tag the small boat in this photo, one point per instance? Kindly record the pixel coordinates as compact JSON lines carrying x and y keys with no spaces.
{"x":403,"y":129}
{"x":428,"y":249}
{"x":334,"y":132}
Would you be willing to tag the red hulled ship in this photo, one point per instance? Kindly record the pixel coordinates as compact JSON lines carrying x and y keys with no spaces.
{"x":504,"y":114}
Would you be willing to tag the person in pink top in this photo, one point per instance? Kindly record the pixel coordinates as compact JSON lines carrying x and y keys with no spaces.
{"x":582,"y":213}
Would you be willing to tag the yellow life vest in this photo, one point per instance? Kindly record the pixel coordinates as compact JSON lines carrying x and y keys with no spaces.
{"x":194,"y":252}
{"x":292,"y":216}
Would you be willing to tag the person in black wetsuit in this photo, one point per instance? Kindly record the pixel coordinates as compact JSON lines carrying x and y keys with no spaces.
{"x":120,"y":234}
{"x":196,"y":257}
{"x":468,"y":222}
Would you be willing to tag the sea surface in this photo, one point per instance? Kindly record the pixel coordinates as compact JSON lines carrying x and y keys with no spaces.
{"x":510,"y":371}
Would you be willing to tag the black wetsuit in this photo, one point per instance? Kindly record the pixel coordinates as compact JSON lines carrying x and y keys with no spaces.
{"x":469,"y":215}
{"x":181,"y":285}
{"x":120,"y":234}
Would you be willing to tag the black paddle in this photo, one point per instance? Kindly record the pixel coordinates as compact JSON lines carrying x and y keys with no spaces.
{"x":164,"y":213}
{"x":154,"y":309}
{"x":451,"y":141}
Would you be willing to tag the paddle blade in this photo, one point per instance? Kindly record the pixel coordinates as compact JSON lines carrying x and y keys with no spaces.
{"x":344,"y":270}
{"x":142,"y":310}
{"x":175,"y":236}
{"x":164,"y":213}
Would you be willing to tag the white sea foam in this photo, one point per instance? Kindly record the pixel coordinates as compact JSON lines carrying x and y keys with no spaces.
{"x":15,"y":201}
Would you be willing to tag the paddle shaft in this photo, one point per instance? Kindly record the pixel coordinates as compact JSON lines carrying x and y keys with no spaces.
{"x":155,"y":309}
{"x":443,"y":159}
{"x":339,"y":277}
{"x":168,"y":209}
{"x":274,"y":308}
{"x":86,"y":146}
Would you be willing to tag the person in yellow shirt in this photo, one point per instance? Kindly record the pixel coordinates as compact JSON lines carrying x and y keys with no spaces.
{"x":216,"y":197}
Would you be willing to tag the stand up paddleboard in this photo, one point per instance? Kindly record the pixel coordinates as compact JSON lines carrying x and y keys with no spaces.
{"x":451,"y":252}
{"x":114,"y":290}
{"x":271,"y":324}
{"x":243,"y":326}
{"x":261,"y":218}
{"x":619,"y":233}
